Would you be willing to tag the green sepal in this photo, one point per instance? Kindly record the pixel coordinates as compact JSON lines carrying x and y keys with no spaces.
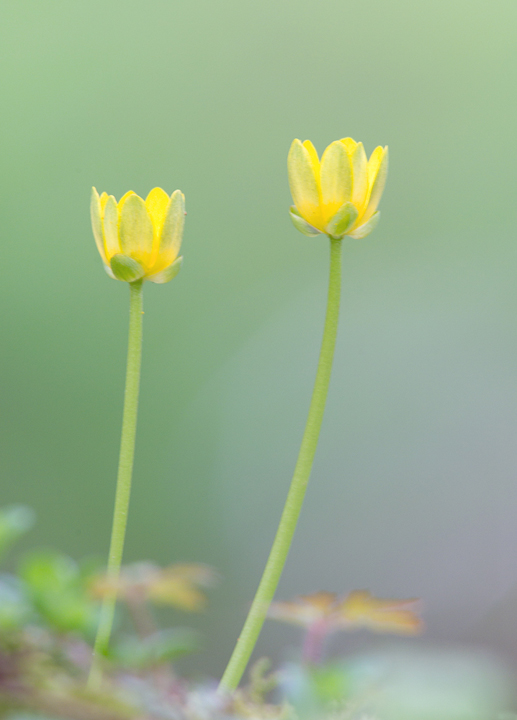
{"x":301,"y":224}
{"x":109,"y":271}
{"x":342,"y":220}
{"x":363,"y":230}
{"x":168,"y":274}
{"x":125,"y":268}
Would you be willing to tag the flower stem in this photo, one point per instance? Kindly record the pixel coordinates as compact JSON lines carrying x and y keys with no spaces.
{"x":278,"y":555}
{"x":125,"y":471}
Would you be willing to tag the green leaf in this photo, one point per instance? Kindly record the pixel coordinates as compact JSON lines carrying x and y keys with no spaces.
{"x":15,"y":521}
{"x":57,"y":590}
{"x":160,"y":647}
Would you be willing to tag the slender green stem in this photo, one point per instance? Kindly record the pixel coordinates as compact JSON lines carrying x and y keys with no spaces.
{"x":125,"y":471}
{"x":278,"y":555}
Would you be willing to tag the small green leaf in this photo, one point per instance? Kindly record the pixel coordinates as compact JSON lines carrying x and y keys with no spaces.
{"x":57,"y":591}
{"x":160,"y":647}
{"x":15,"y":521}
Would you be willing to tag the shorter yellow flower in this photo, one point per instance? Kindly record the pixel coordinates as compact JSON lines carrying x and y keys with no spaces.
{"x":338,"y":195}
{"x":139,"y":239}
{"x":359,"y":609}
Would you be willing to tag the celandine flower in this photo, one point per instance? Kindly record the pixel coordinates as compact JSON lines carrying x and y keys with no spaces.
{"x":359,"y":609}
{"x":339,"y":194}
{"x":324,"y":613}
{"x":139,"y":239}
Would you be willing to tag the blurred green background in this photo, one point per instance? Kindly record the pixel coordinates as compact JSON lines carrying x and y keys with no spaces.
{"x":414,"y":488}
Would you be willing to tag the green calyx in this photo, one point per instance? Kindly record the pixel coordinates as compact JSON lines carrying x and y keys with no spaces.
{"x":301,"y":224}
{"x":125,"y":268}
{"x":342,"y":220}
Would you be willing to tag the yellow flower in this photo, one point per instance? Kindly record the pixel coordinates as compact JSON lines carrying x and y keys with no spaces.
{"x":359,"y":609}
{"x":339,"y":194}
{"x":139,"y":239}
{"x":176,"y":585}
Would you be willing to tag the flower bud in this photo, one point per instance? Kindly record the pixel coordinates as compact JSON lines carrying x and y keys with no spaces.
{"x":139,"y":239}
{"x":338,"y":195}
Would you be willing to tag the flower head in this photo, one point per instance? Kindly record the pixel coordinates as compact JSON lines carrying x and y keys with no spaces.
{"x":337,"y":195}
{"x":178,"y":585}
{"x":139,"y":239}
{"x":359,"y":609}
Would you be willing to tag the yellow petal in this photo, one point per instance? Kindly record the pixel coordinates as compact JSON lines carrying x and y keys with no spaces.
{"x":335,"y":178}
{"x":377,"y":175}
{"x":136,"y":230}
{"x":110,"y":224}
{"x":349,"y":144}
{"x":104,"y":199}
{"x":157,"y":203}
{"x":302,"y":163}
{"x":96,"y":215}
{"x":314,"y":159}
{"x":124,"y":198}
{"x":360,"y":609}
{"x":172,"y":232}
{"x":374,"y":163}
{"x":306,"y":610}
{"x":360,"y":174}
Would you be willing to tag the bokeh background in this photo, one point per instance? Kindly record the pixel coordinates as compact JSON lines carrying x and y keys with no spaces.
{"x":414,"y":488}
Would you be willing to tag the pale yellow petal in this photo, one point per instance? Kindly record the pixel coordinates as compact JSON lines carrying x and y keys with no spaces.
{"x":136,"y":230}
{"x":335,"y":179}
{"x":157,"y":203}
{"x":374,"y":163}
{"x":377,"y":180}
{"x":360,"y":609}
{"x":349,"y":144}
{"x":360,"y":172}
{"x":174,"y":222}
{"x":104,"y":199}
{"x":313,"y":153}
{"x":96,"y":216}
{"x":110,"y":223}
{"x":167,"y":249}
{"x":304,"y":183}
{"x":124,"y":198}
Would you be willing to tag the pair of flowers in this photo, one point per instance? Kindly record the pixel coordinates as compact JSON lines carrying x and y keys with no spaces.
{"x":140,"y":239}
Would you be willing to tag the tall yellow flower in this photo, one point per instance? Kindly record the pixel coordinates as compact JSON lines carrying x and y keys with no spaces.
{"x":139,"y":239}
{"x":338,"y":195}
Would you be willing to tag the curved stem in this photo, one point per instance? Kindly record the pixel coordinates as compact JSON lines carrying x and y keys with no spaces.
{"x":125,"y":471}
{"x":277,"y":557}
